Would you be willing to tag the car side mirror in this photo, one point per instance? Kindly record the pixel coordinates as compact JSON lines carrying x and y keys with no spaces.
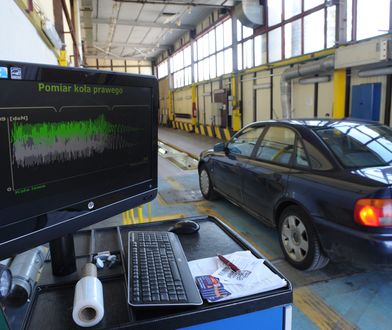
{"x":221,"y":146}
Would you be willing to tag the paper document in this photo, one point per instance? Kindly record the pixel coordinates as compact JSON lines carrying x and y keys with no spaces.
{"x":253,"y":277}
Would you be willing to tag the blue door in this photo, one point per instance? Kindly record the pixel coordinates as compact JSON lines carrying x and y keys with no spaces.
{"x":366,"y":100}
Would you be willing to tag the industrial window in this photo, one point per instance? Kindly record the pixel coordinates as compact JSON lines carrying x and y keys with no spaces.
{"x":314,"y":32}
{"x":292,"y":34}
{"x":181,"y":66}
{"x":331,"y":26}
{"x":248,"y":54}
{"x":275,"y":45}
{"x":219,"y":37}
{"x":163,"y":69}
{"x":260,"y":50}
{"x":274,"y":12}
{"x":239,"y":57}
{"x":214,"y":53}
{"x":292,"y":8}
{"x":372,"y":18}
{"x":309,"y":4}
{"x":219,"y":64}
{"x":227,"y":33}
{"x":228,"y":59}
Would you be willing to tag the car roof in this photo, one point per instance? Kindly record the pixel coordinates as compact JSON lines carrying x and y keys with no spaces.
{"x":320,"y":122}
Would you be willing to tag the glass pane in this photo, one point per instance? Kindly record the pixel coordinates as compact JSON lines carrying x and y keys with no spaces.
{"x":372,"y":19}
{"x":352,"y":147}
{"x":219,"y":37}
{"x":239,"y":30}
{"x":187,"y":56}
{"x":247,"y":32}
{"x":349,"y":19}
{"x":206,"y":69}
{"x":206,"y":50}
{"x":244,"y":143}
{"x":219,"y":64}
{"x":292,"y":8}
{"x":228,"y":55}
{"x":275,"y":45}
{"x":248,"y":54}
{"x":260,"y":50}
{"x":300,"y":158}
{"x":277,"y":145}
{"x":314,"y":32}
{"x":227,"y":34}
{"x":331,"y":24}
{"x":211,"y":40}
{"x":274,"y":12}
{"x":201,"y":71}
{"x":200,"y":48}
{"x":309,"y":4}
{"x":212,"y":66}
{"x":292,"y":35}
{"x":239,"y":57}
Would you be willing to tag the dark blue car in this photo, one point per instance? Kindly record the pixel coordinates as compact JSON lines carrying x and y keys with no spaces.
{"x":324,"y":184}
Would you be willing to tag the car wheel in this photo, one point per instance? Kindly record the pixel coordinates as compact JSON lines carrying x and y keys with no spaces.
{"x":205,"y":183}
{"x":299,"y":241}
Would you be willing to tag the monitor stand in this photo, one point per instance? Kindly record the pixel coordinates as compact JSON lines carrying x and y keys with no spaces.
{"x":62,"y":252}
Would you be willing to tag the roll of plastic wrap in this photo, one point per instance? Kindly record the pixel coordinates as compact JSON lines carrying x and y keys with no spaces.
{"x":88,"y":309}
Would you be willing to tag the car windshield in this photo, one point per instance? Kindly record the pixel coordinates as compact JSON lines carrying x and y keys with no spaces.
{"x":359,"y":145}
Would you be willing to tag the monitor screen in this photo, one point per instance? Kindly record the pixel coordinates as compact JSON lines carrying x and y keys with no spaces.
{"x":76,"y":147}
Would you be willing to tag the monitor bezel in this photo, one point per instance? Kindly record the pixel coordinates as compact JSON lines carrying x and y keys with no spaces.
{"x":106,"y":205}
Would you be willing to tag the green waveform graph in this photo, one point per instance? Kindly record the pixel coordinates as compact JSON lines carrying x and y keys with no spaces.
{"x":37,"y":144}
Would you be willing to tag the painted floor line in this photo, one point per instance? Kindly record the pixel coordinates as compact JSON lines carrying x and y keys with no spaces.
{"x":207,"y":210}
{"x":321,"y":314}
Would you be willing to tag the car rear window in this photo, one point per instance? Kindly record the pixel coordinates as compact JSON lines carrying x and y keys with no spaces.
{"x":359,"y":145}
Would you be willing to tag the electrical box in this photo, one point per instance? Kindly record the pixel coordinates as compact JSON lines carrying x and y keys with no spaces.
{"x":368,"y":52}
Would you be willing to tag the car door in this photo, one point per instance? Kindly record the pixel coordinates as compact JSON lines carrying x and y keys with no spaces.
{"x":266,"y":174}
{"x":228,"y":169}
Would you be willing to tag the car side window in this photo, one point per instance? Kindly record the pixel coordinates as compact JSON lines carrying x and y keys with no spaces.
{"x":277,"y":145}
{"x":300,"y":158}
{"x":317,"y":160}
{"x":244,"y":143}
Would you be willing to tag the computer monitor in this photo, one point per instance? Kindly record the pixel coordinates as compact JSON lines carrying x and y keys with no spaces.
{"x":76,"y":146}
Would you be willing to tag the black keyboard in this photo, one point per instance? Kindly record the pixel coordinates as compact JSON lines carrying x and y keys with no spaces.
{"x":158,"y":271}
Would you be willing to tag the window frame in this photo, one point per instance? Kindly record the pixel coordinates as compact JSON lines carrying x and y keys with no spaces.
{"x":239,"y":133}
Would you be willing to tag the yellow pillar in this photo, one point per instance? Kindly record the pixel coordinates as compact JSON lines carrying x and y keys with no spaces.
{"x":339,"y":93}
{"x":140,"y":214}
{"x":194,"y":109}
{"x":236,"y":115}
{"x":63,"y":58}
{"x":171,"y":115}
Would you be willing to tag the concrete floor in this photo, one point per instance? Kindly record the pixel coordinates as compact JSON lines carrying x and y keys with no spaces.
{"x":340,"y":296}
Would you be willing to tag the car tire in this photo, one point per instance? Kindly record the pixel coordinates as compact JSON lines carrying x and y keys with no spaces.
{"x":205,"y":183}
{"x":299,"y":241}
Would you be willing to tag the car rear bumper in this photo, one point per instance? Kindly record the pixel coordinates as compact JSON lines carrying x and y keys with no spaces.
{"x":342,"y":243}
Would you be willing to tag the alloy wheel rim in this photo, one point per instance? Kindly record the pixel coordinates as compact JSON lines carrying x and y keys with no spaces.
{"x":295,"y":238}
{"x":204,"y":182}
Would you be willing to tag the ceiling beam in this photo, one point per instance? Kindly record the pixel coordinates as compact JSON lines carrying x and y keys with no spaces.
{"x":139,"y":23}
{"x":176,"y":3}
{"x":130,"y":45}
{"x":111,"y":57}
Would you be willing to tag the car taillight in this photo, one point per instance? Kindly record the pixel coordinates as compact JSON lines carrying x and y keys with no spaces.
{"x":373,"y":212}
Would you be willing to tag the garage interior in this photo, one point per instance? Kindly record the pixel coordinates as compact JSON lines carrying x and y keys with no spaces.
{"x":221,"y":65}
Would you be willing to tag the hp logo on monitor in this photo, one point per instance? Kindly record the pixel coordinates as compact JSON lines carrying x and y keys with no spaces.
{"x":90,"y":205}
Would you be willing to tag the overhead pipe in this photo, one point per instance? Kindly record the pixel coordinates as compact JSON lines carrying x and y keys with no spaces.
{"x":376,"y":72}
{"x":301,"y":70}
